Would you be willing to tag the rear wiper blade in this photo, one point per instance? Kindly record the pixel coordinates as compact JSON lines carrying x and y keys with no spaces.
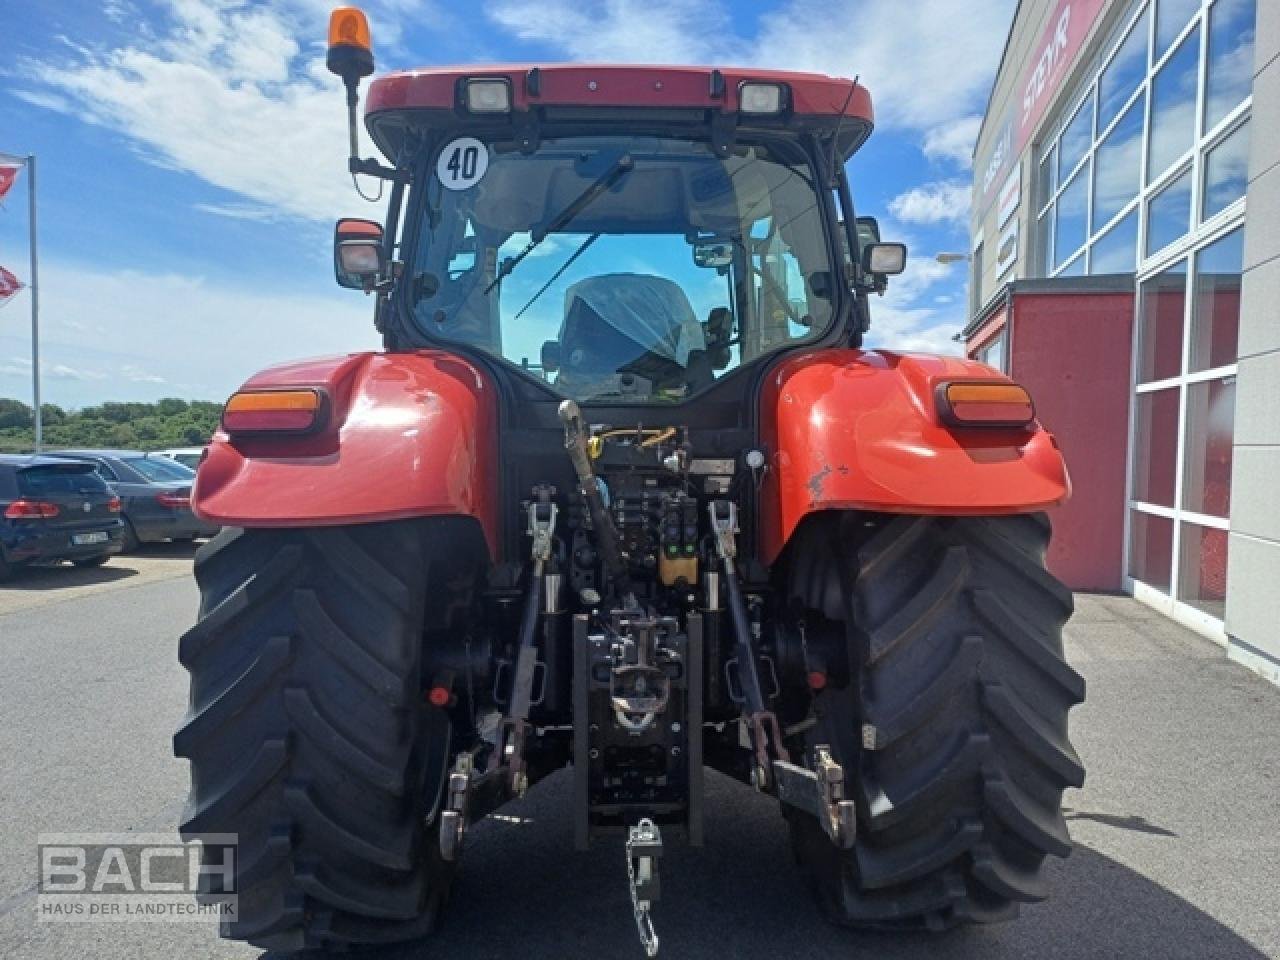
{"x":620,"y":169}
{"x":557,"y":275}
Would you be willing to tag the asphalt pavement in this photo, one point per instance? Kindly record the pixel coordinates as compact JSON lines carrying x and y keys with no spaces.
{"x":1177,"y":828}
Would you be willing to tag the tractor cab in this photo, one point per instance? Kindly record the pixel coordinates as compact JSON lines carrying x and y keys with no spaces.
{"x":618,"y":234}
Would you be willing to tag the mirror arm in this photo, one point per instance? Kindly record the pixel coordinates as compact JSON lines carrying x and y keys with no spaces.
{"x":372,"y":168}
{"x":383,"y":285}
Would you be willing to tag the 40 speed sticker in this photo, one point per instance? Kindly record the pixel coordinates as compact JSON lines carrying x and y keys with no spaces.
{"x":462,"y":164}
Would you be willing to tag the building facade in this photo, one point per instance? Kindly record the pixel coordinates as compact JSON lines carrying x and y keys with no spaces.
{"x":1136,"y":143}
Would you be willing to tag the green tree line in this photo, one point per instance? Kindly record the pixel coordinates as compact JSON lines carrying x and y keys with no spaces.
{"x":135,"y":426}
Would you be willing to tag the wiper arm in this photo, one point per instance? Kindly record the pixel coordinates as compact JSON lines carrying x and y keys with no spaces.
{"x":557,"y":275}
{"x":620,"y":169}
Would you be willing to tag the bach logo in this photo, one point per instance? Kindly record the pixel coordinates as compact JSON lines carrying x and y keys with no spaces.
{"x":107,"y":877}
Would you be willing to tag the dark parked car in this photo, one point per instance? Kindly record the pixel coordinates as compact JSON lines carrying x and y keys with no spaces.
{"x":54,"y":509}
{"x":156,"y":493}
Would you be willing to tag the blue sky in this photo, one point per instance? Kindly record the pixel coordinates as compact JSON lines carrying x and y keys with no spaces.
{"x":192,"y":160}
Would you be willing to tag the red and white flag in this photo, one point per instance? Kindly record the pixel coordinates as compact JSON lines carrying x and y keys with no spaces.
{"x":9,"y":285}
{"x":8,"y":174}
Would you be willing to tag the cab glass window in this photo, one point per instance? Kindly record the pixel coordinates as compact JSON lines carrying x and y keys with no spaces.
{"x":624,"y":267}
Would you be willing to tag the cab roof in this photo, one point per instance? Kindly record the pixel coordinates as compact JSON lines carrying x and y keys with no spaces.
{"x":614,"y":85}
{"x":810,"y":98}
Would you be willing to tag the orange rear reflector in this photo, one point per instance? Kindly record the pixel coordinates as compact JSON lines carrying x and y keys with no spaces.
{"x":985,"y":404}
{"x":290,"y":411}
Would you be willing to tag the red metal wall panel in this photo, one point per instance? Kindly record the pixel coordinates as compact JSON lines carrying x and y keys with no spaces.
{"x":1072,"y":351}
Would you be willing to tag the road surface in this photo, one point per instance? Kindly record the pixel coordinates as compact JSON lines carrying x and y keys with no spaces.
{"x":1178,"y":827}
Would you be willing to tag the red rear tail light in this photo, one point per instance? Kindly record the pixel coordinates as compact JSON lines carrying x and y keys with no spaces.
{"x":978,"y":404}
{"x":114,"y":505}
{"x":176,"y":501}
{"x":274,"y":411}
{"x":31,"y":510}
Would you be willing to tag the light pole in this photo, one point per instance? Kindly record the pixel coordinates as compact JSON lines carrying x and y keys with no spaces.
{"x":35,"y":302}
{"x":949,"y":258}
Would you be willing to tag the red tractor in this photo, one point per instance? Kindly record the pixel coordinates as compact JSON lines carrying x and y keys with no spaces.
{"x":623,"y":494}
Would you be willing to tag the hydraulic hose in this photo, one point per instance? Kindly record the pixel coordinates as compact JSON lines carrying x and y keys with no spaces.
{"x":607,"y":539}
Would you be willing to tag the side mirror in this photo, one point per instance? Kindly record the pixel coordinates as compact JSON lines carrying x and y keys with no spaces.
{"x":358,"y":257}
{"x":550,"y":356}
{"x":884,"y":259}
{"x":718,"y":255}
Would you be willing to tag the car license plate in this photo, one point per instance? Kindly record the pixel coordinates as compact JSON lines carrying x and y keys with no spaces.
{"x":84,"y":539}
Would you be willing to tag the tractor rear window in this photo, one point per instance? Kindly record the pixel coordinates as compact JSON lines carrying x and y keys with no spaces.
{"x":622,"y":267}
{"x":49,"y":480}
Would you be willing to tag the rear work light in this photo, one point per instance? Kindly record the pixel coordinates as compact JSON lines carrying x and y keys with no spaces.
{"x":31,"y":510}
{"x":274,"y":411}
{"x":175,"y":501}
{"x":488,"y":96}
{"x":967,"y":404}
{"x":761,"y":98}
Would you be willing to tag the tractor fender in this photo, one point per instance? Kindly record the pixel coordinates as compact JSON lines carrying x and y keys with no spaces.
{"x":404,"y":435}
{"x":859,"y":430}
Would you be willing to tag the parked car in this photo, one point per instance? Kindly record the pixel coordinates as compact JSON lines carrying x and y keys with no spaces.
{"x":187,"y":456}
{"x":55,"y":509}
{"x":156,"y":493}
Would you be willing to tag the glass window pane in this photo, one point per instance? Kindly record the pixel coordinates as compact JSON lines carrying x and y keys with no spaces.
{"x":1076,"y":139}
{"x":1073,"y":269}
{"x":1169,"y":214}
{"x":1173,"y":107}
{"x":1116,"y":250}
{"x":1119,"y":167}
{"x":1171,"y":17}
{"x":1046,"y":179}
{"x":1215,"y":308}
{"x":1072,"y":225}
{"x":1231,"y":29}
{"x":1123,"y":74}
{"x":1206,"y":481}
{"x":1161,"y":309}
{"x":993,"y":353}
{"x":1151,"y":550}
{"x":1226,"y":173}
{"x":1202,"y":569}
{"x":1155,"y":446}
{"x":1044,"y":243}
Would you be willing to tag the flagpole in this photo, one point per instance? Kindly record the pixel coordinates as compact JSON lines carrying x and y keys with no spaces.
{"x":35,"y":302}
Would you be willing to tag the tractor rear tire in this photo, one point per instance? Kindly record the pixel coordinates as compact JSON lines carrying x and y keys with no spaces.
{"x":308,"y":733}
{"x":953,"y":729}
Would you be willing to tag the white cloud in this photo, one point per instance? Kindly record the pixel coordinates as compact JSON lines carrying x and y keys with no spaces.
{"x":922,"y":273}
{"x":239,"y":211}
{"x":933,"y":203}
{"x":226,"y":94}
{"x":925,"y":62}
{"x":163,"y":335}
{"x":953,"y":141}
{"x":657,"y":31}
{"x":916,"y":330}
{"x":923,"y":68}
{"x":21,"y":367}
{"x":41,"y":98}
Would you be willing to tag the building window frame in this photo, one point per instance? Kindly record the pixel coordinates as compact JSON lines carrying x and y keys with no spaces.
{"x":1184,"y":602}
{"x":1046,"y":260}
{"x":1171,"y":603}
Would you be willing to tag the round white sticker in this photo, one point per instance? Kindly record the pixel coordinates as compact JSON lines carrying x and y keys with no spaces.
{"x":462,"y":164}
